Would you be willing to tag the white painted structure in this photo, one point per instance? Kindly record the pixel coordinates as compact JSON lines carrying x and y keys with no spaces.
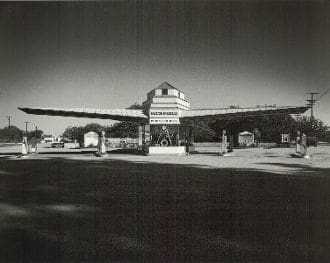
{"x":48,"y":138}
{"x":167,"y":150}
{"x":245,"y":138}
{"x":91,"y":139}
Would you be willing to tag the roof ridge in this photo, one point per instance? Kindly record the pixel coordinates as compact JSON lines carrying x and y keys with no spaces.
{"x":166,"y":84}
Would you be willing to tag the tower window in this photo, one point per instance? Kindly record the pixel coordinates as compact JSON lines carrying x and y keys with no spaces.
{"x":164,"y":91}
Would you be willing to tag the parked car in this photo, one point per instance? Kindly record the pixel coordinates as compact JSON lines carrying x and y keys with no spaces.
{"x":57,"y":145}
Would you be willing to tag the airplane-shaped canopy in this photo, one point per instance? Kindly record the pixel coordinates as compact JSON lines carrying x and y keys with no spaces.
{"x":234,"y":113}
{"x":114,"y":114}
{"x":139,"y":116}
{"x":166,"y":105}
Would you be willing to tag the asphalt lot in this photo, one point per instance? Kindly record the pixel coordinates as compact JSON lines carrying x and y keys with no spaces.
{"x":257,"y":205}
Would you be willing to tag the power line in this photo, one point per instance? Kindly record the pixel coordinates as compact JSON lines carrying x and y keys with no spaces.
{"x":323,"y":93}
{"x":311,"y":101}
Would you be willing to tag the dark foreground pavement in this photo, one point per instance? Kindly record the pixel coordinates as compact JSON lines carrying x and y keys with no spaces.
{"x":116,"y":211}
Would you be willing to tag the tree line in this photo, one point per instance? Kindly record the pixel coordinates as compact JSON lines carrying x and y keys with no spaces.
{"x":15,"y":135}
{"x":268,"y":128}
{"x":118,"y":130}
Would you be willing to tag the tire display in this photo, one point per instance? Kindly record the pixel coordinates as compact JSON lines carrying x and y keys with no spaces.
{"x":164,"y":142}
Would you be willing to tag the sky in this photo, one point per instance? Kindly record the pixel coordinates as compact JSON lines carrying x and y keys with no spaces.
{"x":110,"y":54}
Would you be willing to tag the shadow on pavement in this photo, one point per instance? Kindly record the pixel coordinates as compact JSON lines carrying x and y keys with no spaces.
{"x":74,"y":152}
{"x":113,"y":210}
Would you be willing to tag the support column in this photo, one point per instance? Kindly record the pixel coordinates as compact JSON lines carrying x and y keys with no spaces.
{"x":193,"y":133}
{"x":298,"y":142}
{"x":143,"y":137}
{"x":140,"y":137}
{"x":303,"y":144}
{"x":186,"y":140}
{"x":231,"y":143}
{"x":191,"y":138}
{"x":147,"y":135}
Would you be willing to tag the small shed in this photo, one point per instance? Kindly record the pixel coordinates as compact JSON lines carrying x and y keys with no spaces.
{"x":245,"y":138}
{"x":48,"y":138}
{"x":91,"y":139}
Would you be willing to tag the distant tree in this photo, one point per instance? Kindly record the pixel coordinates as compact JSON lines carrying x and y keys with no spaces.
{"x":12,"y":134}
{"x":270,"y":127}
{"x":95,"y":127}
{"x":71,"y":133}
{"x":123,"y":129}
{"x":327,"y":136}
{"x":36,"y":134}
{"x":74,"y":134}
{"x":135,"y":106}
{"x":203,"y":132}
{"x":313,"y":127}
{"x":118,"y":130}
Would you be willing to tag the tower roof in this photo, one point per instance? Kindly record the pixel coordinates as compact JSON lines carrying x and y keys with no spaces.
{"x":165,"y":85}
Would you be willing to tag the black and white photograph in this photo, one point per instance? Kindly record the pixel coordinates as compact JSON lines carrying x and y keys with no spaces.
{"x":165,"y":131}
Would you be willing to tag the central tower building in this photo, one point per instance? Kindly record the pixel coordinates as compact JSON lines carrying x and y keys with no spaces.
{"x":164,"y":105}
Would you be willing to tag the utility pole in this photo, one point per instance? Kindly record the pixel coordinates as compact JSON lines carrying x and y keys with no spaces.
{"x":36,"y":133}
{"x":9,"y":117}
{"x":311,"y":101}
{"x":26,"y":127}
